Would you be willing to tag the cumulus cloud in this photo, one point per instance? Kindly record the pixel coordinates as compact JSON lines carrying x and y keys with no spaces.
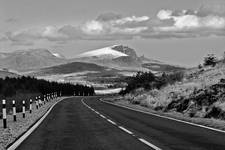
{"x":93,"y":27}
{"x":208,"y":20}
{"x":111,"y":23}
{"x":107,"y":26}
{"x":191,"y":22}
{"x":164,"y":14}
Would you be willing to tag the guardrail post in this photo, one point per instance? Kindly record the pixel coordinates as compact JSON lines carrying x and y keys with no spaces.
{"x":30,"y":106}
{"x":39,"y":101}
{"x":36,"y":101}
{"x":23,"y":109}
{"x":45,"y":97}
{"x":14,"y":110}
{"x":44,"y":100}
{"x":4,"y":114}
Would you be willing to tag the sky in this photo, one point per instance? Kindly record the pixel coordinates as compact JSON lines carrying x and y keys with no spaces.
{"x":180,"y":32}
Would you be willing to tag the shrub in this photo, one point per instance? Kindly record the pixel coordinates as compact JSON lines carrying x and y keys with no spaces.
{"x":149,"y":81}
{"x":210,"y":60}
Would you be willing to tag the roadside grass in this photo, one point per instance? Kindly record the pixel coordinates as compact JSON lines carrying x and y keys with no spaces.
{"x":209,"y":122}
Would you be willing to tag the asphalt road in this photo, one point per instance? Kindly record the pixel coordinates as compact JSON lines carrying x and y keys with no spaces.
{"x":72,"y":125}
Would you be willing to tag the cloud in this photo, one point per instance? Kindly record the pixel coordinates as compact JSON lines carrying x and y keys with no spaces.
{"x":164,"y":14}
{"x":93,"y":27}
{"x":113,"y":24}
{"x":208,"y":20}
{"x":191,"y":22}
{"x":109,"y":16}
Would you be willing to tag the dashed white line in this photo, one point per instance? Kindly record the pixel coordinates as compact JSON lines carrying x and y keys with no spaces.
{"x":122,"y":128}
{"x":32,"y":129}
{"x":103,"y":116}
{"x":149,"y":144}
{"x":111,"y":121}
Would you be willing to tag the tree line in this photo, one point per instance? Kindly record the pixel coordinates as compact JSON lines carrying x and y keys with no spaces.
{"x":11,"y":86}
{"x":149,"y":81}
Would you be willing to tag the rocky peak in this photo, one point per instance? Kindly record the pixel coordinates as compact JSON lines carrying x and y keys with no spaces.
{"x":126,"y":50}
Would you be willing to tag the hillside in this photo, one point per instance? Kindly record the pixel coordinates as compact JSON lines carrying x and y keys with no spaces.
{"x":69,"y":68}
{"x":4,"y":74}
{"x":200,"y":94}
{"x":103,"y":53}
{"x":123,"y":58}
{"x":117,"y":56}
{"x":23,"y":60}
{"x":161,"y":67}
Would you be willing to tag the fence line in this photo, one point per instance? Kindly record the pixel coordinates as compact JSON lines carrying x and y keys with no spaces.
{"x":39,"y":102}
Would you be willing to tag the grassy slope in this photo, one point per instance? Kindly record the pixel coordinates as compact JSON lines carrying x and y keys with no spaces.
{"x":195,"y":80}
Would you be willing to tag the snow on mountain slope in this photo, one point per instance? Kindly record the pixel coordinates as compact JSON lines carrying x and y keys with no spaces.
{"x":58,"y":55}
{"x":106,"y":52}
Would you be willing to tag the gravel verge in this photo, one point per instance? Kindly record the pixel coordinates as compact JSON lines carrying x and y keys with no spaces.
{"x":16,"y":129}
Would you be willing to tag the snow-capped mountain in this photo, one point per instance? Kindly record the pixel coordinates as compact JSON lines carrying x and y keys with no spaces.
{"x":117,"y":56}
{"x":58,"y":55}
{"x":103,"y":53}
{"x":123,"y":58}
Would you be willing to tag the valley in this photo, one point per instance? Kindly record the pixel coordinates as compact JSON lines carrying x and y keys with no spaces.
{"x":102,"y":68}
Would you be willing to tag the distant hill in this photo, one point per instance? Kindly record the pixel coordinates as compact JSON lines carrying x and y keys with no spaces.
{"x":126,"y":50}
{"x":23,"y":60}
{"x":124,"y":58}
{"x":162,"y":67}
{"x":69,"y":68}
{"x":117,"y":57}
{"x":4,"y":74}
{"x":103,"y":53}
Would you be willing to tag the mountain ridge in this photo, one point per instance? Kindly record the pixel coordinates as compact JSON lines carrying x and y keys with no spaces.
{"x":117,"y":57}
{"x":23,"y":60}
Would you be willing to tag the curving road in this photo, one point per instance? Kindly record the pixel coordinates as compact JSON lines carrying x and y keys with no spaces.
{"x":90,"y":124}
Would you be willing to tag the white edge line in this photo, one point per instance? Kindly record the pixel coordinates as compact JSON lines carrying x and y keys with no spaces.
{"x":122,"y":128}
{"x":190,"y":123}
{"x":27,"y":133}
{"x":127,"y":131}
{"x":149,"y":144}
{"x":112,"y":122}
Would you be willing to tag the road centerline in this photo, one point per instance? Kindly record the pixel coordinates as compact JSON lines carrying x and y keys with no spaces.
{"x":123,"y":129}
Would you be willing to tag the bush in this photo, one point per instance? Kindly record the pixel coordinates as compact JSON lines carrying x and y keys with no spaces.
{"x":149,"y":81}
{"x":210,"y":60}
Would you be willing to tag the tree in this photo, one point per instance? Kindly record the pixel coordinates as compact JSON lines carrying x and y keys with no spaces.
{"x":210,"y":60}
{"x":199,"y":66}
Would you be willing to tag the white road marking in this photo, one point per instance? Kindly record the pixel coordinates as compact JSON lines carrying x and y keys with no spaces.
{"x":149,"y":144}
{"x":122,"y":128}
{"x":112,"y":122}
{"x":103,"y":116}
{"x":27,"y":133}
{"x":165,"y":117}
